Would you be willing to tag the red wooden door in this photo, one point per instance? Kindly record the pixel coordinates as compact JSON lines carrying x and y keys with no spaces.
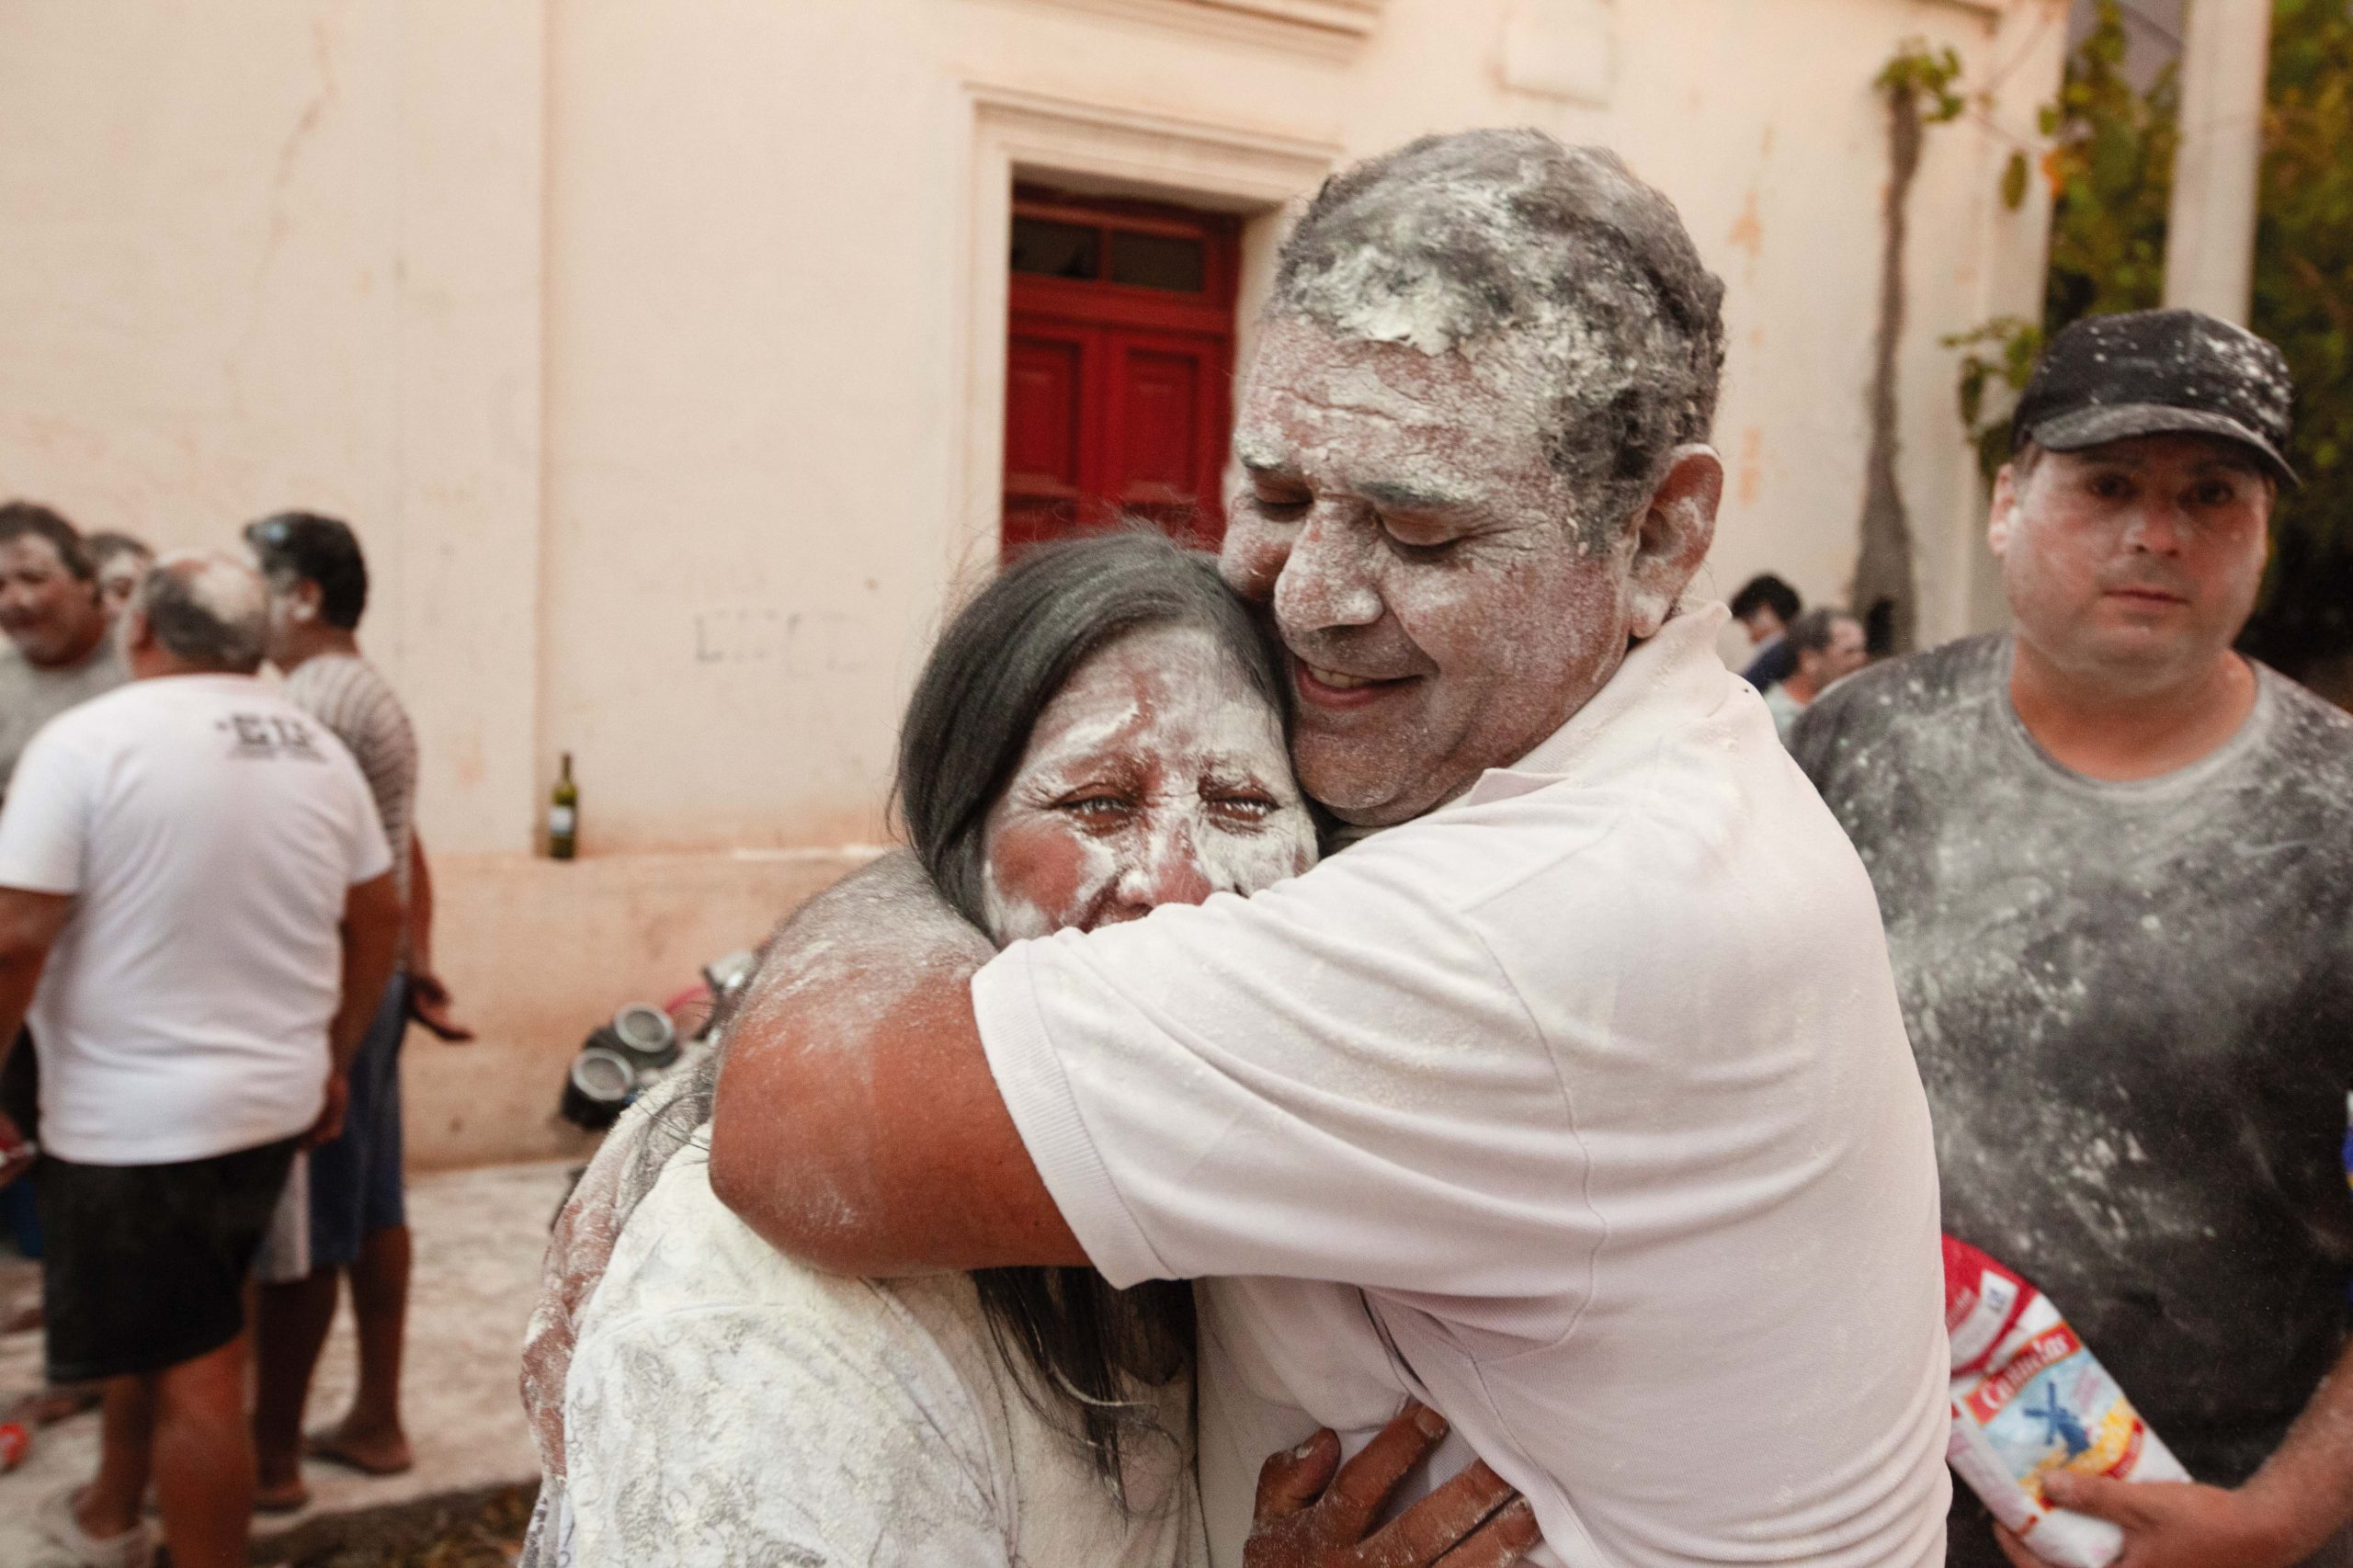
{"x":1048,"y":464}
{"x":1118,"y":369}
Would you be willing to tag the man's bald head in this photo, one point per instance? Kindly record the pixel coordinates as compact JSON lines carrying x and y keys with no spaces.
{"x":1450,"y":243}
{"x":203,"y":609}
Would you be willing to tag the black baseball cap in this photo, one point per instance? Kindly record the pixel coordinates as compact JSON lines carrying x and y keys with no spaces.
{"x":2156,"y":372}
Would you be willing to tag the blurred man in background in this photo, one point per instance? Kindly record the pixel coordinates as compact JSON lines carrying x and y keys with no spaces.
{"x":120,"y":560}
{"x":198,"y":909}
{"x":58,"y":653}
{"x":359,"y":1224}
{"x":1827,"y":643}
{"x":1764,"y":606}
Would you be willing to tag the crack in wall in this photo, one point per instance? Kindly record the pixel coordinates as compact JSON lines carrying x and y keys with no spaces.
{"x":1884,"y":592}
{"x":289,"y":152}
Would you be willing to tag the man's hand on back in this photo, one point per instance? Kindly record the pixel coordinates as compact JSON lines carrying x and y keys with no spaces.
{"x":2168,"y":1524}
{"x":1314,"y":1512}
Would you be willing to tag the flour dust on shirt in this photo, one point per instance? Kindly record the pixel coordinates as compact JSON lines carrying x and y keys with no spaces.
{"x":2132,"y":1006}
{"x":726,"y":1405}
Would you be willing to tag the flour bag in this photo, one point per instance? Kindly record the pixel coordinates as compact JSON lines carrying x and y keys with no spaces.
{"x":2028,"y":1399}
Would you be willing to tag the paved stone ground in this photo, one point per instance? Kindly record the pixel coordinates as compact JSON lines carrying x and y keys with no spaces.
{"x":479,"y":1235}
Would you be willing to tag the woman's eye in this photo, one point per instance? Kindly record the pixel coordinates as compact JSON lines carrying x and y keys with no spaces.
{"x":1278,"y":506}
{"x":1250,"y":807}
{"x":1096,"y":808}
{"x":2214,"y":493}
{"x":2110,"y":486}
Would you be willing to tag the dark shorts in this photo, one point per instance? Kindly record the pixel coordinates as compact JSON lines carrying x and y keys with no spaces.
{"x":356,"y":1181}
{"x":146,"y":1264}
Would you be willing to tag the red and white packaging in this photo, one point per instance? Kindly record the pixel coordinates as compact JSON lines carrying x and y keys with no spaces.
{"x":2028,"y":1399}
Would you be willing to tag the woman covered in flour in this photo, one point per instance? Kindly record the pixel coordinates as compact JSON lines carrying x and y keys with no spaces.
{"x":1100,"y":732}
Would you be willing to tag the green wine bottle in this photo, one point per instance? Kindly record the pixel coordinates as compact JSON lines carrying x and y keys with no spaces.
{"x":563,"y":815}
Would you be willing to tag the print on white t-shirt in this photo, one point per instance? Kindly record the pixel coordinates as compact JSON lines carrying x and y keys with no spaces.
{"x":208,"y":833}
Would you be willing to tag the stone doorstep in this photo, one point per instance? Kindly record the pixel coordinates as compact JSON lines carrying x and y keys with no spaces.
{"x":480,"y":1238}
{"x":395,"y":1531}
{"x":397,"y":1527}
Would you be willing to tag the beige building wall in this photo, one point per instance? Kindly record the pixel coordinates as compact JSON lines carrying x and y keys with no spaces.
{"x":656,"y":351}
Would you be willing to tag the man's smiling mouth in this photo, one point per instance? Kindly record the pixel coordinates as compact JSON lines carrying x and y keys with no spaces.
{"x":1337,"y":688}
{"x":1338,"y":680}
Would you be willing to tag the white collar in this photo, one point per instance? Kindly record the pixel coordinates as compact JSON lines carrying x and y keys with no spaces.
{"x":1673,"y":677}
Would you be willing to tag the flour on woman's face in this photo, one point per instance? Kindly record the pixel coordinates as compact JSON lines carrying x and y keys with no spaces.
{"x":1157,"y":775}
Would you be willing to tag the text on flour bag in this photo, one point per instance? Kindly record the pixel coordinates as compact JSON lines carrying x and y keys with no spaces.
{"x":2028,"y":1399}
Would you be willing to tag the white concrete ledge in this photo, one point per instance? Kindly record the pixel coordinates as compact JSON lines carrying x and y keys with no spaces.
{"x":1320,"y":27}
{"x":538,"y":952}
{"x":1340,"y":16}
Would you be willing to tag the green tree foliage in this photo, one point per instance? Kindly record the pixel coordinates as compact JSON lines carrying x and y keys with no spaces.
{"x":2304,"y":302}
{"x":2110,"y":171}
{"x":1926,"y":77}
{"x":2111,"y":167}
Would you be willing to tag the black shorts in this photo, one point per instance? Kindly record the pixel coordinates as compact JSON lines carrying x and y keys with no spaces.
{"x":146,"y":1264}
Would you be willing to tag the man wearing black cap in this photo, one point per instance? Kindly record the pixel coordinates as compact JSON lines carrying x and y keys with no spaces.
{"x":2115,"y":859}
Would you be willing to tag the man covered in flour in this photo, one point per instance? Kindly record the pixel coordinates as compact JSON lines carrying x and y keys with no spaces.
{"x":1535,"y":1104}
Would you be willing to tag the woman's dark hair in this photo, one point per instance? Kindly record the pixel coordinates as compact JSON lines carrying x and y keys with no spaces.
{"x":994,"y":670}
{"x":309,"y":547}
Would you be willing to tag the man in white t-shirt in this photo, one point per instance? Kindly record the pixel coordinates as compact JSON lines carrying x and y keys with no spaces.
{"x":197,"y":911}
{"x":1575,"y":1101}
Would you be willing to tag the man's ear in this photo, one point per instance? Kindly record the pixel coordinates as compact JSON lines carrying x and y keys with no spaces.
{"x":2005,"y":510}
{"x":1678,"y":524}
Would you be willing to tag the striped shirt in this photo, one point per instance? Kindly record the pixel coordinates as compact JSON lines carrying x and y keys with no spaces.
{"x":344,"y":692}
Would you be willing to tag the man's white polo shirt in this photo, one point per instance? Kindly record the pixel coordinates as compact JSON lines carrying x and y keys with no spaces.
{"x":1590,"y":1092}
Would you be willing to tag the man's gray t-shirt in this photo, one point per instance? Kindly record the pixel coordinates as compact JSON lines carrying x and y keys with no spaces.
{"x":31,"y":695}
{"x":2132,"y":1006}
